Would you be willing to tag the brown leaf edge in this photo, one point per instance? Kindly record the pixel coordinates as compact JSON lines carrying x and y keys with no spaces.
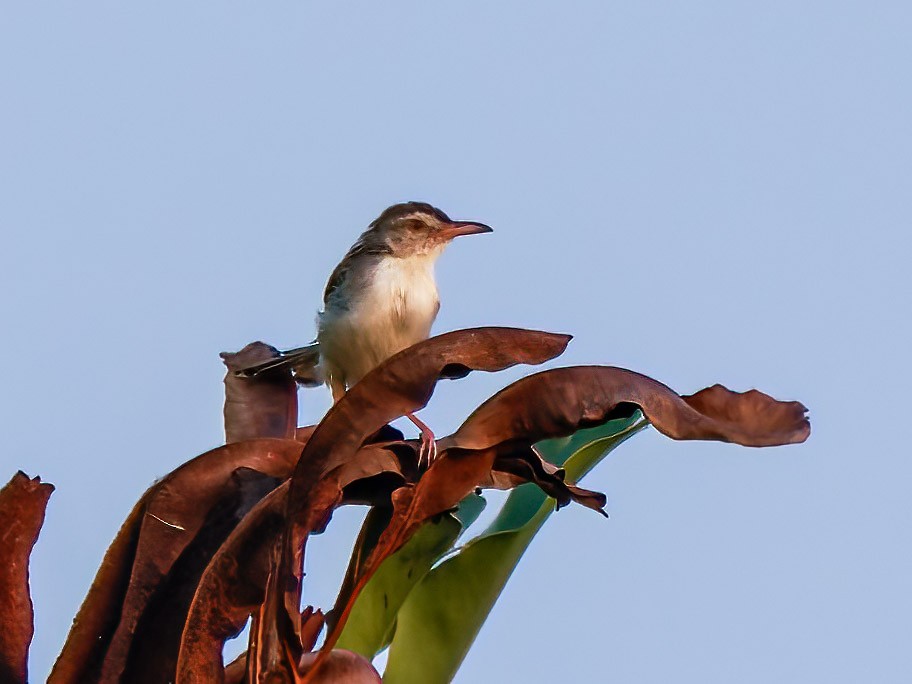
{"x":564,"y":399}
{"x":136,"y":605}
{"x":231,"y":588}
{"x":23,"y":502}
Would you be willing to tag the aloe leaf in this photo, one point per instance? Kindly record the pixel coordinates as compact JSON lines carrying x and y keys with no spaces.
{"x":370,"y":625}
{"x":441,"y":617}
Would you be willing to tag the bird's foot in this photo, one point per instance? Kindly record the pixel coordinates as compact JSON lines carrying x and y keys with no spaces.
{"x":427,"y":452}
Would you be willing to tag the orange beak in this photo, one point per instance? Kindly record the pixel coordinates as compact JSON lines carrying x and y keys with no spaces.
{"x":457,"y":228}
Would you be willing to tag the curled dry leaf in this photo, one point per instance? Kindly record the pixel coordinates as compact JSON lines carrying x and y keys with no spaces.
{"x":557,"y":402}
{"x":241,"y":578}
{"x":265,"y":405}
{"x":750,"y":418}
{"x":517,"y":465}
{"x":148,"y":575}
{"x":231,"y":588}
{"x":22,"y":506}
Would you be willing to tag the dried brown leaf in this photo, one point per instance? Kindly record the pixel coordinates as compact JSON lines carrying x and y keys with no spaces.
{"x":22,"y":507}
{"x":231,"y":588}
{"x":558,"y":402}
{"x":146,"y":580}
{"x":517,"y":465}
{"x":241,"y":579}
{"x":265,"y":405}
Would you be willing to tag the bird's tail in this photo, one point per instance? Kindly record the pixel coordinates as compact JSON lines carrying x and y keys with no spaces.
{"x":303,"y":361}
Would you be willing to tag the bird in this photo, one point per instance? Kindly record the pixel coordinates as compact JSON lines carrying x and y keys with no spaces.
{"x":379,"y":300}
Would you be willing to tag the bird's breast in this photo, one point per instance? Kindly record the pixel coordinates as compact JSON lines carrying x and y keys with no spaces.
{"x":403,"y":294}
{"x":393,"y":308}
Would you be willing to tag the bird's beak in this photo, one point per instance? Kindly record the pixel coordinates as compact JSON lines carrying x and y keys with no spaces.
{"x":457,"y":228}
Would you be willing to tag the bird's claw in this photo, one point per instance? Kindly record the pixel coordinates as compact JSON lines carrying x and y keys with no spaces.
{"x":427,"y":452}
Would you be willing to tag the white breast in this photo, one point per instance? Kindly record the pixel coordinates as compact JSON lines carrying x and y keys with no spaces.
{"x":396,"y":311}
{"x":404,"y":291}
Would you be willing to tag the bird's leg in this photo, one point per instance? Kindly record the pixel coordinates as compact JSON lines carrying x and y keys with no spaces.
{"x":428,"y":450}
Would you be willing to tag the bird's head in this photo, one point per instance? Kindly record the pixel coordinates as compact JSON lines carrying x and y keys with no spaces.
{"x":417,"y":229}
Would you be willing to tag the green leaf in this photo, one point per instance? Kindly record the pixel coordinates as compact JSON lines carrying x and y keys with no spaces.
{"x":469,"y":509}
{"x":441,"y":617}
{"x":369,"y":627}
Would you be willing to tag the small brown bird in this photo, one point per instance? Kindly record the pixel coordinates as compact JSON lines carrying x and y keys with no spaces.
{"x":380,"y":299}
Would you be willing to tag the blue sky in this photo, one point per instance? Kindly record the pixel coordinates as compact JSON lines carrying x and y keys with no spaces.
{"x":703,"y":192}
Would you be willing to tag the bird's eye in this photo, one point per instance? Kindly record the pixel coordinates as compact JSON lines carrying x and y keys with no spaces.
{"x":414,"y":225}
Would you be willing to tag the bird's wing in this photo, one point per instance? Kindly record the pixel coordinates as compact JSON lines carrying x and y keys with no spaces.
{"x":359,"y":251}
